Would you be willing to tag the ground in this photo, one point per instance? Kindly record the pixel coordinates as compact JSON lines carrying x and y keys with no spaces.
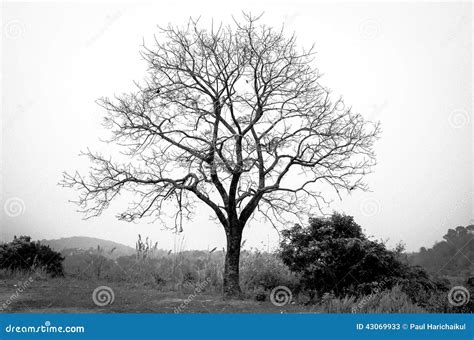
{"x":67,"y":295}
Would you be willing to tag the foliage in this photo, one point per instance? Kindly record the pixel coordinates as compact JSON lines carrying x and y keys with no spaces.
{"x":24,"y":254}
{"x":333,"y":254}
{"x":261,"y":272}
{"x":423,"y":289}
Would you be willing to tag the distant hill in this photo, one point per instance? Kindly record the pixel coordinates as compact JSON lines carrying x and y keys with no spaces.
{"x":86,"y":243}
{"x":450,"y":257}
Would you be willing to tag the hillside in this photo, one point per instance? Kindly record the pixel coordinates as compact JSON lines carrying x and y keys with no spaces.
{"x":451,"y":257}
{"x":85,"y":243}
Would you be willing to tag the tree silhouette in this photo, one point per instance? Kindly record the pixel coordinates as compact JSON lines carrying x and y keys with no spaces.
{"x":233,"y":117}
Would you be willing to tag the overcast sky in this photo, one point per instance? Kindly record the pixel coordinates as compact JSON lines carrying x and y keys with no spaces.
{"x":407,"y":65}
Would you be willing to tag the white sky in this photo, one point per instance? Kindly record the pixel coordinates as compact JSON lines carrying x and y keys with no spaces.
{"x":407,"y":65}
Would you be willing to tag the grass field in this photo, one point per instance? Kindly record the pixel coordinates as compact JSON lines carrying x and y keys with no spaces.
{"x":191,"y":282}
{"x":67,"y":295}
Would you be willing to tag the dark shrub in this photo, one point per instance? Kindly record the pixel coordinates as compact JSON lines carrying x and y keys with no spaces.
{"x":423,"y":290}
{"x":333,"y":255}
{"x":24,"y":254}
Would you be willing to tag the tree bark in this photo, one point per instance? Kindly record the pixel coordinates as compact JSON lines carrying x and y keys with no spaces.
{"x":231,"y":287}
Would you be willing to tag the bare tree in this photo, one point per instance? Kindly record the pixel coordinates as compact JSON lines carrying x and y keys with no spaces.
{"x":233,"y":117}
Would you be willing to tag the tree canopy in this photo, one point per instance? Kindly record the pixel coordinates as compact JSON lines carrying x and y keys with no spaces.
{"x":224,"y":117}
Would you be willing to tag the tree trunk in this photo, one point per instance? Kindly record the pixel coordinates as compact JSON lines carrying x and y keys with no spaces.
{"x":231,"y":287}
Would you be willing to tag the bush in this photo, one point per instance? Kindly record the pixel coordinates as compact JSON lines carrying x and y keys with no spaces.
{"x":24,"y":254}
{"x":261,"y":272}
{"x":423,"y":290}
{"x":333,"y":255}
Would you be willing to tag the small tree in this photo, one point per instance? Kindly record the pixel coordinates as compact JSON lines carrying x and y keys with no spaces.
{"x":232,"y":117}
{"x":24,"y":254}
{"x":333,"y":254}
